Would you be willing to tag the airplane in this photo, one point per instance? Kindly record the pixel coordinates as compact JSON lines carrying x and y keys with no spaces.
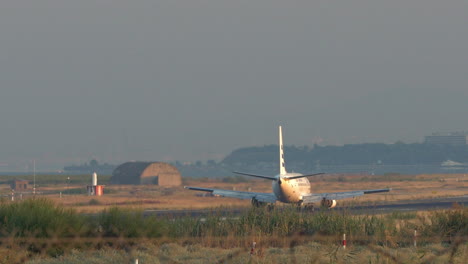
{"x":292,"y":188}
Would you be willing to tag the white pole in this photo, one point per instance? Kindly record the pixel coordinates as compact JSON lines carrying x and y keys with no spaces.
{"x":252,"y":250}
{"x":94,"y":179}
{"x":344,"y":241}
{"x":34,"y":177}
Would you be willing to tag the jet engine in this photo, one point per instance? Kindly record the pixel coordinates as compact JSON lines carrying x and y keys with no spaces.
{"x":328,"y":203}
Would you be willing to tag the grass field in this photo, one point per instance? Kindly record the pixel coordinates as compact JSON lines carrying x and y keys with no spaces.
{"x":51,"y":229}
{"x":311,"y":252}
{"x":73,"y":193}
{"x":38,"y":231}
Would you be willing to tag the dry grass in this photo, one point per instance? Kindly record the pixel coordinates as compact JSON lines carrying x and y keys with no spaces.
{"x":311,"y":252}
{"x":413,"y":187}
{"x":230,"y":249}
{"x":281,"y":236}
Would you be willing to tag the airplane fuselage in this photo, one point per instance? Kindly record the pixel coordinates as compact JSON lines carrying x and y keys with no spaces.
{"x":290,"y":190}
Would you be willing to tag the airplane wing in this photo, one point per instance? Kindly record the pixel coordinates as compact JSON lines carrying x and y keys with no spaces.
{"x":261,"y":197}
{"x":316,"y":197}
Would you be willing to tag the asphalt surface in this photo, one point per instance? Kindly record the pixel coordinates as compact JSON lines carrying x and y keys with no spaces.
{"x":400,"y":206}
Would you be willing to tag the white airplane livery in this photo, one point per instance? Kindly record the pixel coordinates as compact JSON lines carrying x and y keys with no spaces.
{"x":293,"y":188}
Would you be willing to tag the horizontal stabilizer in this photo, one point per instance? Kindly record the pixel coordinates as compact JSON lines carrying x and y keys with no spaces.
{"x":301,"y":176}
{"x":255,"y":175}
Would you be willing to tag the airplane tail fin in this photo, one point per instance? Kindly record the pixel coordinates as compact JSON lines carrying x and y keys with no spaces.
{"x":281,"y":152}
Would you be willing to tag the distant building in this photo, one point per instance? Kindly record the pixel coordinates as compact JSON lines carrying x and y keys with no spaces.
{"x":452,"y":139}
{"x":19,"y":185}
{"x":158,"y":173}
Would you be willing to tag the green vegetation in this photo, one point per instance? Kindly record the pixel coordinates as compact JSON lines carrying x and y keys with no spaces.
{"x":39,"y":217}
{"x":41,"y":228}
{"x":116,"y":222}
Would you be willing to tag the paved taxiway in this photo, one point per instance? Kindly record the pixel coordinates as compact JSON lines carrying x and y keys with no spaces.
{"x":402,"y":206}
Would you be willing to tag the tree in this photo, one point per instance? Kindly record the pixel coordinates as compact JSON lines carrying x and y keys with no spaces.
{"x":93,"y":163}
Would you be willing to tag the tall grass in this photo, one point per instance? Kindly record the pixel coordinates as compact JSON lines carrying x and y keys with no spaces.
{"x":32,"y":221}
{"x":448,"y":223}
{"x":117,"y":222}
{"x":39,"y":217}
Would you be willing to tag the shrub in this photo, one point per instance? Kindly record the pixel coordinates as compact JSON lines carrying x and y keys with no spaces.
{"x":449,"y":223}
{"x":40,"y":218}
{"x":116,"y":222}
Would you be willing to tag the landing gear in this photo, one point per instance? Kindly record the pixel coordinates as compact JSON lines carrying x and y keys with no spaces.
{"x":309,"y":208}
{"x":305,"y":207}
{"x":256,"y":203}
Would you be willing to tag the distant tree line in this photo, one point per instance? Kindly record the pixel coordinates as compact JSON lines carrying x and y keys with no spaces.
{"x":353,"y":154}
{"x":92,"y":166}
{"x":264,"y":160}
{"x":304,"y":158}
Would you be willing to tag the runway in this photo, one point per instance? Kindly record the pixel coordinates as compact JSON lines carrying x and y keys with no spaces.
{"x":399,"y":206}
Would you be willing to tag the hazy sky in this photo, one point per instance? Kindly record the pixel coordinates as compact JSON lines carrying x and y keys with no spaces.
{"x":122,"y":80}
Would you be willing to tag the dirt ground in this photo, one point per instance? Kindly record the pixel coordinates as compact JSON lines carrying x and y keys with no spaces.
{"x":404,"y":187}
